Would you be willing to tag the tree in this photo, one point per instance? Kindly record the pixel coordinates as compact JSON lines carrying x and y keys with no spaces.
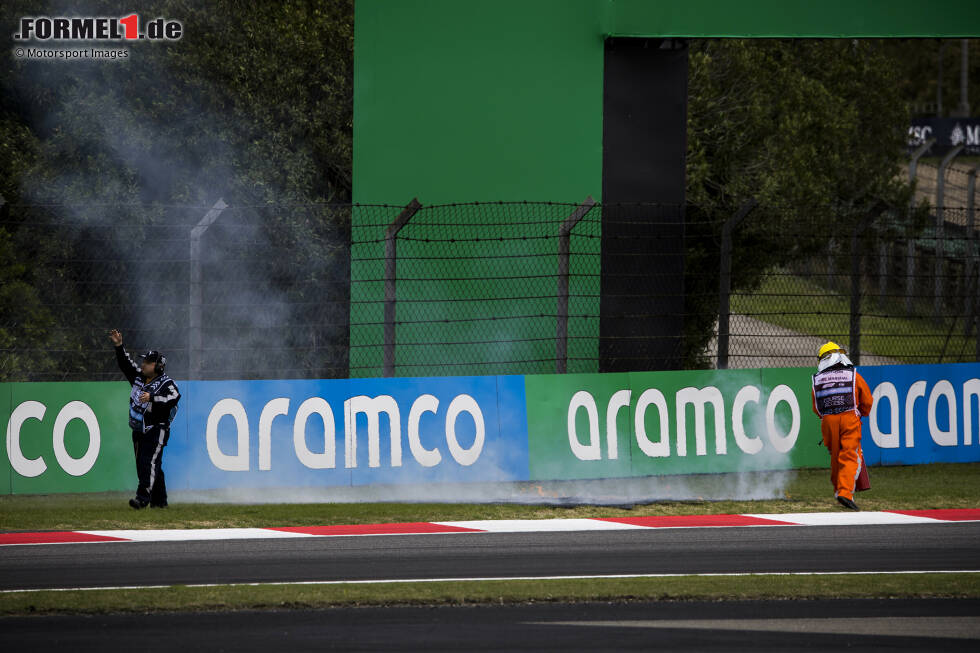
{"x":253,"y":105}
{"x":811,"y":129}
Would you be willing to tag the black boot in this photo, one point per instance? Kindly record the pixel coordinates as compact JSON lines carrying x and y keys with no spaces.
{"x":847,"y":503}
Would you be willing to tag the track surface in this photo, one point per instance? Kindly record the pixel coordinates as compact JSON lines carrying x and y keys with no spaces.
{"x":854,"y":625}
{"x":946,"y":546}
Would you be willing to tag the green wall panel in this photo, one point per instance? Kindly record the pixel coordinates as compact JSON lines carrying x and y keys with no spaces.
{"x":475,"y":101}
{"x":5,"y":472}
{"x":794,"y":18}
{"x":502,"y":99}
{"x":103,"y":404}
{"x":692,"y":422}
{"x":549,"y":442}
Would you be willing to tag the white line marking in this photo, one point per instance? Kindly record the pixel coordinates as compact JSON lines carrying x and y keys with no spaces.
{"x":495,"y":578}
{"x":174,"y":535}
{"x":541,"y":525}
{"x":849,"y":518}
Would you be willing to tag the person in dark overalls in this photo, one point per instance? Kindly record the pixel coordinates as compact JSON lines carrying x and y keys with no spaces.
{"x":152,"y":406}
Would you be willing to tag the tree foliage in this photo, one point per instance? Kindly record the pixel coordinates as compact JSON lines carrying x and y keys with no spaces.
{"x":813,"y":130}
{"x":253,"y":105}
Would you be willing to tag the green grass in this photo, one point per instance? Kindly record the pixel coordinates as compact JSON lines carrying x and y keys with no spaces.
{"x":808,"y":490}
{"x":243,"y":597}
{"x":781,"y":299}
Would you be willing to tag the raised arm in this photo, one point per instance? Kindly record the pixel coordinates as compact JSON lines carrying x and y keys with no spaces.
{"x":129,"y":368}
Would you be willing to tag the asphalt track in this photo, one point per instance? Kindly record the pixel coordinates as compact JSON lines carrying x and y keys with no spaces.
{"x":916,"y":547}
{"x":830,"y":625}
{"x":853,"y":625}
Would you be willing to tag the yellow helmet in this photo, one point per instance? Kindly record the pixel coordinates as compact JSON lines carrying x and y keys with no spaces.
{"x":830,"y":348}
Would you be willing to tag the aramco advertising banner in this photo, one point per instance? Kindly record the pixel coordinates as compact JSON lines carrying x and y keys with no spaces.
{"x":74,"y":437}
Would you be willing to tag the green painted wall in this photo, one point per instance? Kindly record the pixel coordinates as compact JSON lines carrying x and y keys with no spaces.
{"x":475,"y":101}
{"x":793,"y":18}
{"x":461,"y":101}
{"x":485,"y":100}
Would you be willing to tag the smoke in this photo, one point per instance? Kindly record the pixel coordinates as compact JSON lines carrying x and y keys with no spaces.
{"x":132,"y":154}
{"x":746,"y":486}
{"x":764,"y":475}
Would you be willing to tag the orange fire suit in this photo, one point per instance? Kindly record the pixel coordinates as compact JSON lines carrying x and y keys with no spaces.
{"x":842,"y":430}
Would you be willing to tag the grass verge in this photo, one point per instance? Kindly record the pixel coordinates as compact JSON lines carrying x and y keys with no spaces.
{"x":265,"y":597}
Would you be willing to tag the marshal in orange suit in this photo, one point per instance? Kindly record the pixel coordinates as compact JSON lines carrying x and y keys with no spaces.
{"x":840,"y":398}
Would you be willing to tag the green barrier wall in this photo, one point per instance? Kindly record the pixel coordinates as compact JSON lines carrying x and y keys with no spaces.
{"x":90,"y":460}
{"x":693,"y":422}
{"x":5,"y":472}
{"x":502,"y":99}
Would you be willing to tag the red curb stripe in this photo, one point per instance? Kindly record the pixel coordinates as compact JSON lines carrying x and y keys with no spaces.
{"x":55,"y":538}
{"x":669,"y":521}
{"x":377,"y":529}
{"x":951,"y":514}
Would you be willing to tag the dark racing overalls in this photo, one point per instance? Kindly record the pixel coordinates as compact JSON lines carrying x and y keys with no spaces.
{"x":150,"y":423}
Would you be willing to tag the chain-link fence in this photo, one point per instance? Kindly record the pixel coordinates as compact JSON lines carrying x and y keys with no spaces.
{"x":473,"y":289}
{"x":893,"y":288}
{"x":321,"y":291}
{"x":515,"y":288}
{"x":224,"y":292}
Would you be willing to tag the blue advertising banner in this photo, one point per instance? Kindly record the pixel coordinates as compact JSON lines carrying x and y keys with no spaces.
{"x":325,"y":433}
{"x":922,"y":414}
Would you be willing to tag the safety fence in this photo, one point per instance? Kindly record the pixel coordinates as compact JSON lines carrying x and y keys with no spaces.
{"x":518,"y":288}
{"x":223,"y":291}
{"x":298,"y":291}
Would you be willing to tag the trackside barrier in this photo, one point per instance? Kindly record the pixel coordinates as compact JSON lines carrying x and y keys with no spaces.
{"x":73,"y":437}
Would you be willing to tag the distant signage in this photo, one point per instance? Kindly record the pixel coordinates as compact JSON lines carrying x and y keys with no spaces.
{"x":948,"y":132}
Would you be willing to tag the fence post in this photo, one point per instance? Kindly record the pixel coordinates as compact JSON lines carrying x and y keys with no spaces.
{"x":196,"y":294}
{"x":974,"y":256}
{"x":564,"y":256}
{"x":883,"y":251}
{"x":391,"y":261}
{"x":916,"y":155}
{"x":855,"y":328}
{"x":725,"y":280}
{"x":910,"y":244}
{"x":937,"y":267}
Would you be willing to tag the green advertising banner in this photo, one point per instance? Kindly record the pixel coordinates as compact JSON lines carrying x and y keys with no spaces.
{"x":6,"y":473}
{"x":67,"y":437}
{"x":654,"y":423}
